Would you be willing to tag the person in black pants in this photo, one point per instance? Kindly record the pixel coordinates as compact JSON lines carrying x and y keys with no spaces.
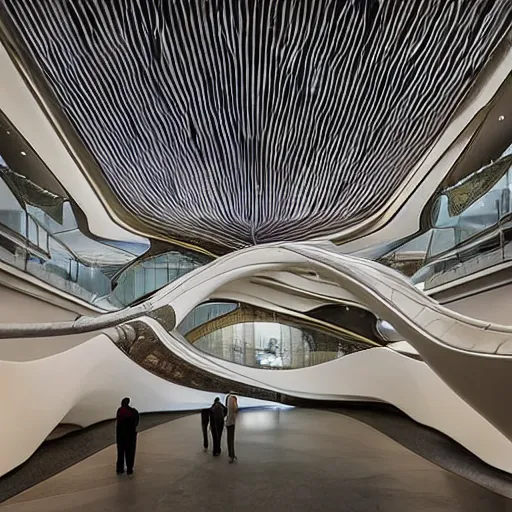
{"x":205,"y":420}
{"x":232,"y":408}
{"x":217,"y":414}
{"x":127,"y":419}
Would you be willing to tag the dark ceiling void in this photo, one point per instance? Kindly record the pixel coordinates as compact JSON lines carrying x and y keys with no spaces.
{"x":352,"y":318}
{"x":26,"y":168}
{"x":225,"y":124}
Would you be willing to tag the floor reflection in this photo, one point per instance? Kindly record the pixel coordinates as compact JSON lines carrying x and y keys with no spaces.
{"x":264,"y":418}
{"x":288,"y":459}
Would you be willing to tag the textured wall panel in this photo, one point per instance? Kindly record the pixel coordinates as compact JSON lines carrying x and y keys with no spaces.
{"x":233,"y":123}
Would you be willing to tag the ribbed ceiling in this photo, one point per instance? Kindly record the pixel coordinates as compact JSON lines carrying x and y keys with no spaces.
{"x":229,"y":123}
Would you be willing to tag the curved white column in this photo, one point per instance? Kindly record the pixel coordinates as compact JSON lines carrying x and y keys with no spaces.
{"x":82,"y":385}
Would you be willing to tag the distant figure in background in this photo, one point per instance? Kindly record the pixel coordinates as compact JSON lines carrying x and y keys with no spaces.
{"x":127,"y":419}
{"x":217,"y":414}
{"x":232,"y":406}
{"x":205,"y":420}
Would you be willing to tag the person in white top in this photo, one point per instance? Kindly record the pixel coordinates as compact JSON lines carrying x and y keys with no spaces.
{"x":232,"y":406}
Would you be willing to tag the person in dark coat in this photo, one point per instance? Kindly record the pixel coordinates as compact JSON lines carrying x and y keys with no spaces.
{"x":127,"y":420}
{"x":217,"y":415}
{"x":205,"y":420}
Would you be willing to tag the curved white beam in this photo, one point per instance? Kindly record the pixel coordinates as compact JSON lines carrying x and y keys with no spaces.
{"x":454,"y":346}
{"x":473,"y":357}
{"x":373,"y":284}
{"x":82,"y":324}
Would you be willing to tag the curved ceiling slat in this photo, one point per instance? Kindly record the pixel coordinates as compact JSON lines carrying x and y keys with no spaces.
{"x":228,"y":124}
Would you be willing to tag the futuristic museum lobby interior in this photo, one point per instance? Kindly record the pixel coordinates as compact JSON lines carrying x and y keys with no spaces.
{"x":256,"y":255}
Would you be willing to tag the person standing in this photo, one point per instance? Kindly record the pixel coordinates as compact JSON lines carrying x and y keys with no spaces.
{"x":127,"y":420}
{"x":232,"y":406}
{"x":205,"y":420}
{"x":217,"y":414}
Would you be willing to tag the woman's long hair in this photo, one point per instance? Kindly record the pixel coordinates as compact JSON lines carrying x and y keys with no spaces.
{"x":234,"y":400}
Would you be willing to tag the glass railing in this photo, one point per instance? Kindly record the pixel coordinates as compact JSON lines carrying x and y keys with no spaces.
{"x":40,"y":235}
{"x":28,"y":245}
{"x":150,"y":274}
{"x":205,"y":313}
{"x":471,"y":229}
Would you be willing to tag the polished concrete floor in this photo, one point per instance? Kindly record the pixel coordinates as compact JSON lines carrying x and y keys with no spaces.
{"x":289,"y":459}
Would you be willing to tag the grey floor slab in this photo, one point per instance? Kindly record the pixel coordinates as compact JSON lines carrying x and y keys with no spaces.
{"x":293,"y":459}
{"x":55,"y":456}
{"x":429,"y":444}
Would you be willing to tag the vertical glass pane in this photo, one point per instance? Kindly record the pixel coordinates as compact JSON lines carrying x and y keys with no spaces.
{"x":43,"y":239}
{"x":32,"y":231}
{"x":442,"y":240}
{"x":149,"y":274}
{"x":73,"y":270}
{"x":12,"y":214}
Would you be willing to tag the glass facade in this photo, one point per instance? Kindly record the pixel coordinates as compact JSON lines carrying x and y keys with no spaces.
{"x":40,"y":235}
{"x":275,"y":345}
{"x":223,"y":330}
{"x":470,"y":229}
{"x":150,"y":274}
{"x":205,"y":313}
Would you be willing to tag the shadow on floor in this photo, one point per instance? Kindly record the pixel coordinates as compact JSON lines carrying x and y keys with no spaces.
{"x":52,"y":457}
{"x":428,"y":443}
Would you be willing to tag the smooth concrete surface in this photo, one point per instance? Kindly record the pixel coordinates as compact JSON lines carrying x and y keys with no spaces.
{"x":289,"y":459}
{"x":53,"y":457}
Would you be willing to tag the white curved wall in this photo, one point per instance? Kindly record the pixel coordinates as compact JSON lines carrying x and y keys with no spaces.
{"x":82,"y":385}
{"x":408,"y":384}
{"x":16,"y":307}
{"x":85,"y":384}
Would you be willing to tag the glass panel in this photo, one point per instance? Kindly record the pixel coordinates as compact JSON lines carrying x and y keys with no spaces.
{"x":150,"y":274}
{"x":43,"y":239}
{"x":32,"y":231}
{"x":275,"y":346}
{"x":483,"y":253}
{"x":204,"y":313}
{"x":34,"y":208}
{"x":471,"y":228}
{"x":12,"y":252}
{"x":12,"y":214}
{"x":442,"y":240}
{"x":410,"y":257}
{"x":260,"y":338}
{"x":73,"y":270}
